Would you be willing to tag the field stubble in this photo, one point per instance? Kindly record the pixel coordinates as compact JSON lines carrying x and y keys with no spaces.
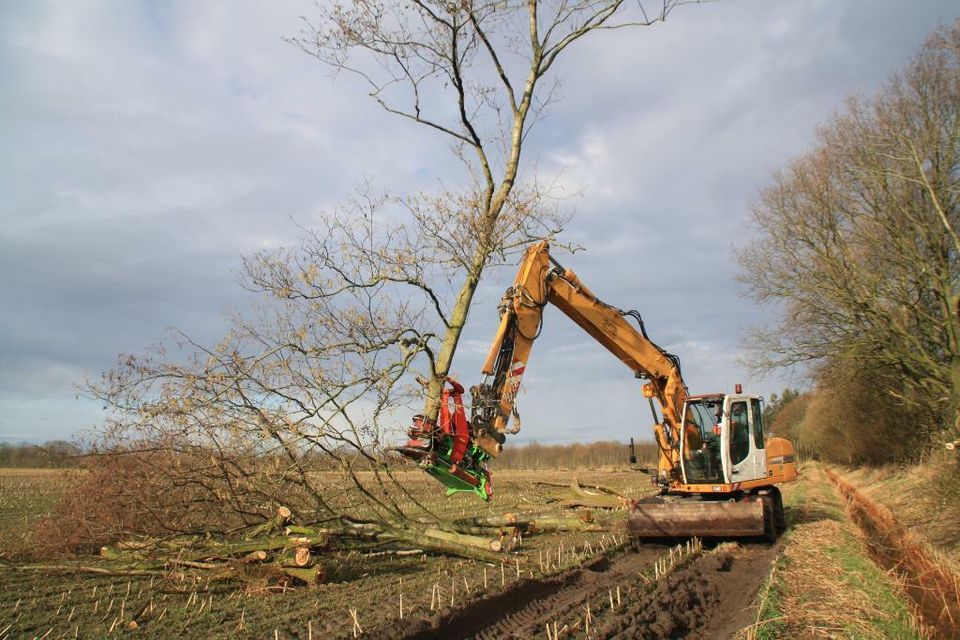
{"x":541,"y":592}
{"x":368,"y":594}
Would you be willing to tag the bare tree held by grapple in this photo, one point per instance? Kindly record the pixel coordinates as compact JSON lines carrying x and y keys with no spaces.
{"x":475,"y":71}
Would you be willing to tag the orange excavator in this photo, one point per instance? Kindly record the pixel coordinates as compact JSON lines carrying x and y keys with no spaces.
{"x":717,"y":468}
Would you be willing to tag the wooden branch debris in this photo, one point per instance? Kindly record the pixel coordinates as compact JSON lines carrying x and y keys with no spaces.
{"x":533,"y":522}
{"x":511,"y":527}
{"x":284,"y":554}
{"x":274,"y":525}
{"x":283,"y":559}
{"x":81,"y":568}
{"x":591,"y":496}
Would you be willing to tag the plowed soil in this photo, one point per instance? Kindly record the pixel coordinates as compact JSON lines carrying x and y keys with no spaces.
{"x":709,"y":596}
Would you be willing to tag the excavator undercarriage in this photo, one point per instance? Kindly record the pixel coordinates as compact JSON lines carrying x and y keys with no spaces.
{"x":746,"y":516}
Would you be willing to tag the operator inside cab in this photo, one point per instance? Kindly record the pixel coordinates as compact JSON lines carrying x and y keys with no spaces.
{"x":701,"y":446}
{"x":693,"y":435}
{"x":693,"y":446}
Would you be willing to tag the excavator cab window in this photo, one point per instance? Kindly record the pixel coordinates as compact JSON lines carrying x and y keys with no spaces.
{"x":701,"y":445}
{"x":759,"y":433}
{"x":739,"y":432}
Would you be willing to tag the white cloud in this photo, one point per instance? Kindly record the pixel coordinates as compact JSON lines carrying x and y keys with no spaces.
{"x":148,"y":144}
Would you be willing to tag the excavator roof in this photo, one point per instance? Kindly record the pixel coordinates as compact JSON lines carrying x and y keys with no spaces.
{"x":707,"y":396}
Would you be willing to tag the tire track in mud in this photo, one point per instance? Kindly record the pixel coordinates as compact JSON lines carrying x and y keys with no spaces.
{"x":706,"y":596}
{"x":530,"y":615}
{"x":710,"y":597}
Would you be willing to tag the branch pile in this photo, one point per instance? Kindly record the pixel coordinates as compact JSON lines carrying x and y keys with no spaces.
{"x":592,"y":496}
{"x":285,"y":554}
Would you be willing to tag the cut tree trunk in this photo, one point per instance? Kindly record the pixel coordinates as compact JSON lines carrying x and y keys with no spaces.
{"x":532,"y":522}
{"x":429,"y":537}
{"x":296,"y":557}
{"x":579,"y":495}
{"x":311,"y":576}
{"x":275,"y":524}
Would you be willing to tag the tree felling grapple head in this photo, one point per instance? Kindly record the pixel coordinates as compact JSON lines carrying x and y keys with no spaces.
{"x":447,"y":450}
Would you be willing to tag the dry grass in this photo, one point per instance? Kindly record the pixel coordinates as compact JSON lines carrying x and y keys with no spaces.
{"x":34,"y":603}
{"x":10,"y":472}
{"x":824,"y":585}
{"x":925,"y":574}
{"x":922,"y":498}
{"x":26,"y":496}
{"x":835,"y":591}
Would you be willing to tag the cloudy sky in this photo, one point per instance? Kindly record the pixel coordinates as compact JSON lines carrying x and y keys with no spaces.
{"x":147,"y":146}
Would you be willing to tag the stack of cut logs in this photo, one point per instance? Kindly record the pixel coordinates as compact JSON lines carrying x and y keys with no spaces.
{"x":284,"y":553}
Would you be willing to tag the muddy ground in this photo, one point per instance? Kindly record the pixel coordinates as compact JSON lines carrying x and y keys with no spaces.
{"x":708,"y":595}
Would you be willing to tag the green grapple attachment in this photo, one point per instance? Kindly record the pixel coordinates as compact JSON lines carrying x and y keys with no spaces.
{"x":447,"y":451}
{"x":469,"y":475}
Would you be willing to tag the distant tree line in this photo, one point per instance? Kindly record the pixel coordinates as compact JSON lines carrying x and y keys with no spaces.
{"x":858,"y":252}
{"x":59,"y":454}
{"x":56,"y":454}
{"x":594,"y":455}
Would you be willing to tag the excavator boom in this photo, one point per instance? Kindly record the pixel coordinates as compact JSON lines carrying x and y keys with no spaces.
{"x":541,"y":281}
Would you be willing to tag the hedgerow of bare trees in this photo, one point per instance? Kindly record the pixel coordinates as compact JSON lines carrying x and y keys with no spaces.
{"x":857,"y":248}
{"x":54,"y":454}
{"x":293,"y":407}
{"x":593,"y":455}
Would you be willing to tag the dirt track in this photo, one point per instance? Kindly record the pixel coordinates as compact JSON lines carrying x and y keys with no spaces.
{"x":708,"y":596}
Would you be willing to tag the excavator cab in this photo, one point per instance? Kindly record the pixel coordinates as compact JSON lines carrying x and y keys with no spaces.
{"x":700,"y":446}
{"x":728,"y":468}
{"x":724,"y":439}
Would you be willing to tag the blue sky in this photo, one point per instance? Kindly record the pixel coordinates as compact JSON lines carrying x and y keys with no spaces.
{"x":149,"y":145}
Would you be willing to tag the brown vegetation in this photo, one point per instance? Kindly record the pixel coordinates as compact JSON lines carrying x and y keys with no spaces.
{"x":140,"y":496}
{"x":926,"y":578}
{"x":375,"y":582}
{"x":858,"y":245}
{"x":593,"y":455}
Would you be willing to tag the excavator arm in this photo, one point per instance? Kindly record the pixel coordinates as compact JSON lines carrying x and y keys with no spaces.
{"x":540,"y":281}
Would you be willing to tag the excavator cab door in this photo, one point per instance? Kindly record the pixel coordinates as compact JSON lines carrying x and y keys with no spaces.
{"x":742,"y":439}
